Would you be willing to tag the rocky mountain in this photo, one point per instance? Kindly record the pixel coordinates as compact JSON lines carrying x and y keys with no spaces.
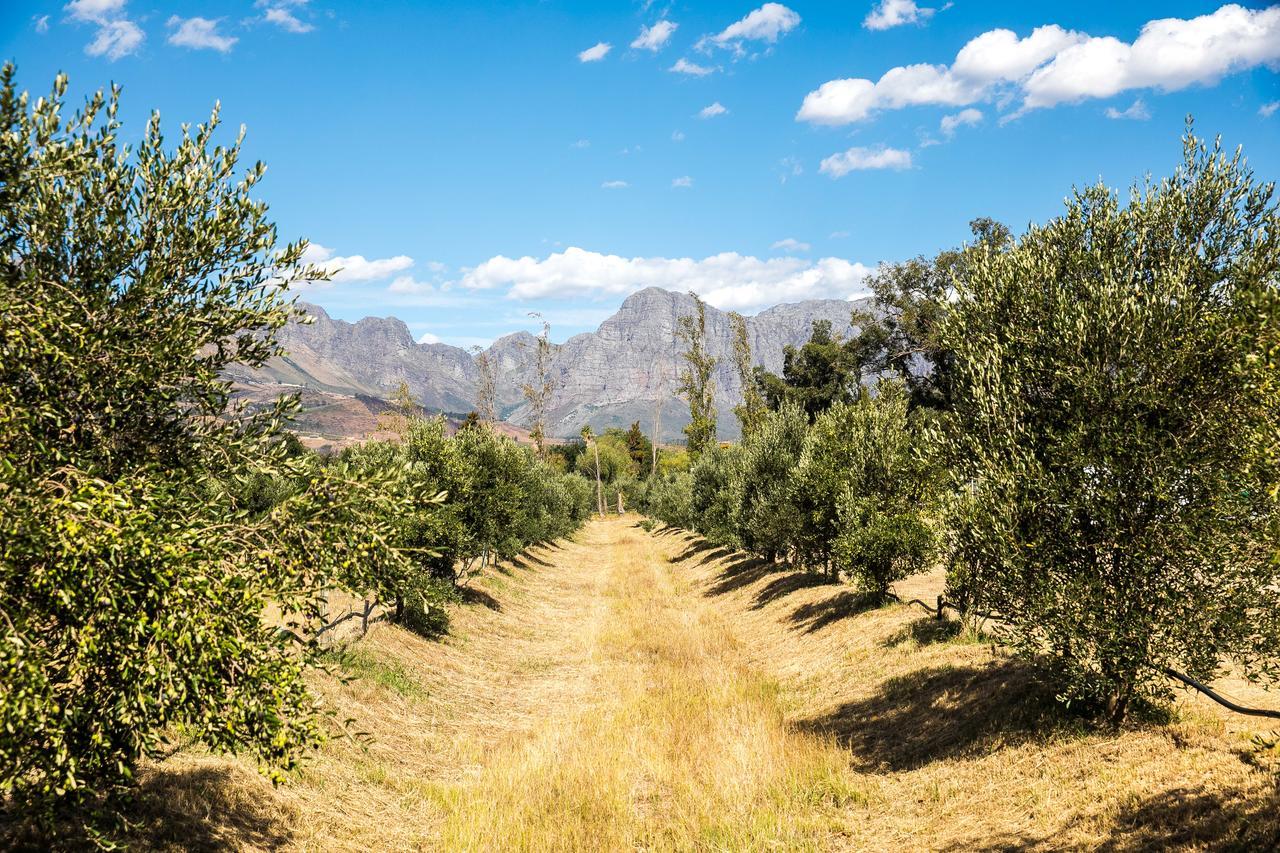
{"x":622,"y":372}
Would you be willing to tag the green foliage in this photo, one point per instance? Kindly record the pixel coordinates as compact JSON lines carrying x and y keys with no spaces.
{"x":865,"y":493}
{"x":712,"y":500}
{"x":752,"y":410}
{"x":765,"y":517}
{"x":147,"y":528}
{"x":884,"y":489}
{"x":1116,"y":404}
{"x":697,"y":379}
{"x":668,"y":499}
{"x":425,"y":608}
{"x":612,"y":456}
{"x":673,"y":461}
{"x":822,"y":372}
{"x":639,"y":448}
{"x":901,"y":337}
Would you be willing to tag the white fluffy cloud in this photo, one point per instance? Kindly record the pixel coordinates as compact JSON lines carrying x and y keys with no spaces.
{"x":950,"y":124}
{"x":895,"y":13}
{"x":767,"y":24}
{"x":1268,"y":109}
{"x":198,"y":34}
{"x":116,"y":39}
{"x":596,"y":52}
{"x":353,"y":268}
{"x":614,"y":185}
{"x":683,"y":182}
{"x":712,"y":110}
{"x":727,"y":280}
{"x":95,"y":11}
{"x":684,"y":66}
{"x":286,"y":20}
{"x":1053,"y":65}
{"x":653,"y":38}
{"x":859,"y":159}
{"x":428,"y":338}
{"x":408,"y":284}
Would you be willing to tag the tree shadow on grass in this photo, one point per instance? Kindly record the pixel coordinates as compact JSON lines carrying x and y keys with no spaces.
{"x":1200,"y":820}
{"x":207,"y":808}
{"x":1176,"y":819}
{"x":471,"y":595}
{"x":787,"y":584}
{"x":925,"y":631}
{"x":938,"y":713}
{"x":204,"y":808}
{"x":534,"y":558}
{"x":741,"y":571}
{"x":692,"y":550}
{"x":717,"y":554}
{"x":816,"y":615}
{"x":520,"y":561}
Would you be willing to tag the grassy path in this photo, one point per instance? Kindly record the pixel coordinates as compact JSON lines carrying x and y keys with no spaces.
{"x":680,"y":745}
{"x":637,"y":691}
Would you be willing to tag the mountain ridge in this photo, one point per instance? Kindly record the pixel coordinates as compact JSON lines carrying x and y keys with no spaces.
{"x":622,"y":372}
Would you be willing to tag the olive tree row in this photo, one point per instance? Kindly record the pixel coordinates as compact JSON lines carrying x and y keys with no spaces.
{"x":164,"y":552}
{"x":1101,"y":401}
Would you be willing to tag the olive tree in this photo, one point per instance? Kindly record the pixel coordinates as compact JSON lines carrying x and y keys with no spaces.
{"x":135,"y":584}
{"x":764,"y":512}
{"x":1116,"y":416}
{"x":866,"y":491}
{"x":712,"y":504}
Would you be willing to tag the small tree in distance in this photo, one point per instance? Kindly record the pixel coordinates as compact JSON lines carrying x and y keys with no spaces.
{"x":538,"y":391}
{"x":486,"y":385}
{"x":751,"y":411}
{"x":589,"y":439}
{"x":697,"y":379}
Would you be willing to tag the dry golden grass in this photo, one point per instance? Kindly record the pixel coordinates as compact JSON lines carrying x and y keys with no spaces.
{"x":629,"y":691}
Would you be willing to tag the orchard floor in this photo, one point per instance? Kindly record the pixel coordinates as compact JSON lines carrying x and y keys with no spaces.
{"x":637,"y":691}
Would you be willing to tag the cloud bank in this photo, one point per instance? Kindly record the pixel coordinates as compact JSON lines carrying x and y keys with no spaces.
{"x":727,"y":280}
{"x":1052,"y":65}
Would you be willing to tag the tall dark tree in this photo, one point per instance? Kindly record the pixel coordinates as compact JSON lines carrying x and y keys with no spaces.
{"x":640,"y":449}
{"x":900,"y":336}
{"x":816,"y":375}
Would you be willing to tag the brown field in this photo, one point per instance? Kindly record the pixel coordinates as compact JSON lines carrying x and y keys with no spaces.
{"x":636,"y":691}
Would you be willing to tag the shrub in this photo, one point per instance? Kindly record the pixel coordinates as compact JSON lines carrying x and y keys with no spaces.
{"x":765,"y":516}
{"x":712,"y":503}
{"x":866,"y":492}
{"x":668,"y":500}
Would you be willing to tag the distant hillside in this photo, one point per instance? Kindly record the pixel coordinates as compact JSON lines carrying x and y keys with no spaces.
{"x":613,"y":376}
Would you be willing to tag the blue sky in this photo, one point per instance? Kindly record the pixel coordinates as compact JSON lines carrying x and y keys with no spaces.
{"x":469,"y":163}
